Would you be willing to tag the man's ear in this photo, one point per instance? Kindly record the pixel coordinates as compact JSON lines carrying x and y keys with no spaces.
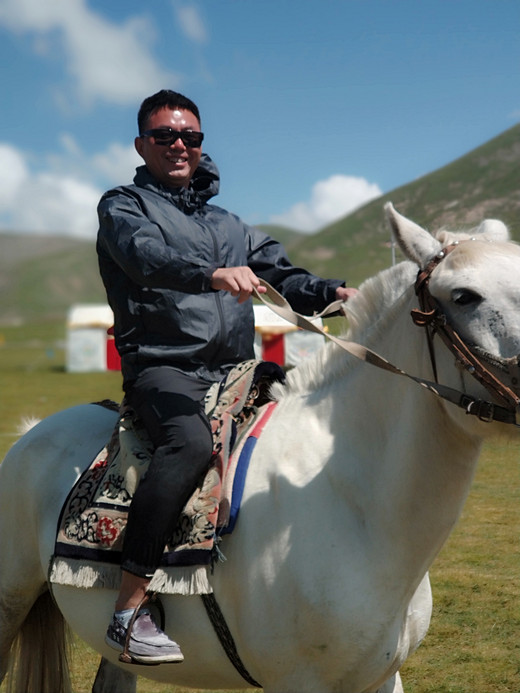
{"x":138,"y":144}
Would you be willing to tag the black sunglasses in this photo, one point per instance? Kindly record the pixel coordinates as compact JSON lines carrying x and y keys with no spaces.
{"x":167,"y":136}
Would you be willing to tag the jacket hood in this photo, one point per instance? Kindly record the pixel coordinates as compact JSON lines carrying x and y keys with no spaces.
{"x":204,"y":185}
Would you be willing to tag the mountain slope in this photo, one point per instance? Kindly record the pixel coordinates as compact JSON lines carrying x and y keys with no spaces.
{"x":41,"y":276}
{"x":482,"y":184}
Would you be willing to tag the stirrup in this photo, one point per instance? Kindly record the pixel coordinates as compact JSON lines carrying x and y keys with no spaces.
{"x":148,"y":597}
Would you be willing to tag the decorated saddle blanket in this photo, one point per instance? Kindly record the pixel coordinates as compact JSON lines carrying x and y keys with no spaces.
{"x":93,"y":520}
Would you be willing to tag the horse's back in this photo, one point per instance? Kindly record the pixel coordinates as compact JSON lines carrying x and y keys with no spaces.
{"x":41,"y":468}
{"x":61,"y":443}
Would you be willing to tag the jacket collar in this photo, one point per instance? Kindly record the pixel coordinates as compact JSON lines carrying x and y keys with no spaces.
{"x":204,"y":185}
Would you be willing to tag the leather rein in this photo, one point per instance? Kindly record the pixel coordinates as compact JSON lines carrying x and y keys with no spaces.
{"x":507,"y":410}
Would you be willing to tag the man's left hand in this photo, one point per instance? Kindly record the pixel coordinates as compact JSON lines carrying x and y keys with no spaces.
{"x":343,"y":293}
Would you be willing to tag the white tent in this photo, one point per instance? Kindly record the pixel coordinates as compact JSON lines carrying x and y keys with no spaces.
{"x":280,"y":341}
{"x":88,"y":343}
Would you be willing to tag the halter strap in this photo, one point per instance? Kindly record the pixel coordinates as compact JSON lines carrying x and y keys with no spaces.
{"x":427,"y":318}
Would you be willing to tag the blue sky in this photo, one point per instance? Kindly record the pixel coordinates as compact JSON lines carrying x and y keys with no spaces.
{"x":309,"y":107}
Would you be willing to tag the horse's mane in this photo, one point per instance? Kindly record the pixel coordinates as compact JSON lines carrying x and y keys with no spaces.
{"x":26,"y":424}
{"x":378,"y":301}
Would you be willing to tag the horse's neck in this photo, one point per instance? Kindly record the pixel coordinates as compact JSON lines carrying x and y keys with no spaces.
{"x":422,"y":460}
{"x":396,"y":452}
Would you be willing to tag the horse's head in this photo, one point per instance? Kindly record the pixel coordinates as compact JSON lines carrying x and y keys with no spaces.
{"x":471,"y":281}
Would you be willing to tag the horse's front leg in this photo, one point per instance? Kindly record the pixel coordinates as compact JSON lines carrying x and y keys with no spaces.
{"x":111,"y":679}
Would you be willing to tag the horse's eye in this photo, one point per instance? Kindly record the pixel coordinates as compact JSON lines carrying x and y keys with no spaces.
{"x":465,"y":297}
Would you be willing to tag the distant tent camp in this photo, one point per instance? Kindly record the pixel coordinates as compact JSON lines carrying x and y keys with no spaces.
{"x":90,"y":345}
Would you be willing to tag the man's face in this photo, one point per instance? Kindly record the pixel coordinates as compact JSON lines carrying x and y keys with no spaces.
{"x":172,"y":165}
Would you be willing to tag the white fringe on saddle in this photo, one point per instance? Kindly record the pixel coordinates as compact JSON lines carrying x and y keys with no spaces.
{"x":186,"y":580}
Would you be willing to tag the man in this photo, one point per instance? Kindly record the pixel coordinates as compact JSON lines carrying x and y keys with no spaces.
{"x":179,"y":274}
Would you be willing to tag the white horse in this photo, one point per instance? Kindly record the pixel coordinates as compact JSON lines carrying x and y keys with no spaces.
{"x":354,"y":486}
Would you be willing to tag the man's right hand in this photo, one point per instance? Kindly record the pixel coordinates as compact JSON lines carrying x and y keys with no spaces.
{"x":239,"y":281}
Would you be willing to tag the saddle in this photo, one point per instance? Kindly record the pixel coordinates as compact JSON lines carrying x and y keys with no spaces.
{"x":92,"y":522}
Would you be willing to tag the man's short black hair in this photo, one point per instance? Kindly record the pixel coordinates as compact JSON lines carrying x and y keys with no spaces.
{"x":166,"y":98}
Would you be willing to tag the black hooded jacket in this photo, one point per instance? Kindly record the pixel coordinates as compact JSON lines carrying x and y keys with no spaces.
{"x":157,"y":250}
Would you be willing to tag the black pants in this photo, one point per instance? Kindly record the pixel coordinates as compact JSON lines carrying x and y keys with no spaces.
{"x":171,"y":406}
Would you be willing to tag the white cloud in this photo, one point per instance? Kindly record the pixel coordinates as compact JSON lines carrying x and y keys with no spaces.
{"x":54,"y":204}
{"x":59,"y":193}
{"x":105,"y":61}
{"x":13,"y":173}
{"x":117,"y":164}
{"x":331,"y":199}
{"x":191,"y":23}
{"x":69,"y":144}
{"x":45,"y":201}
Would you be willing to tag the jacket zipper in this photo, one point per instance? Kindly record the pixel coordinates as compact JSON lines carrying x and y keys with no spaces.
{"x":218,"y":299}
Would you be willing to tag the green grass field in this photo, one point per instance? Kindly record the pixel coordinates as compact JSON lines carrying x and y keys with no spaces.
{"x":473,"y":645}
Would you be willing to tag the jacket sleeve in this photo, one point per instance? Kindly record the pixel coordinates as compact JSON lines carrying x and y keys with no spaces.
{"x":146,"y":252}
{"x":305,"y":292}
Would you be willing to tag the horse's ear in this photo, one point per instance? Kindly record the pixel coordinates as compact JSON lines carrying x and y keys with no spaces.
{"x":417,"y":244}
{"x":494,"y":230}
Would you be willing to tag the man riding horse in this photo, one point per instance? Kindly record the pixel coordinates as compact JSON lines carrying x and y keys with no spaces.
{"x":179,"y":274}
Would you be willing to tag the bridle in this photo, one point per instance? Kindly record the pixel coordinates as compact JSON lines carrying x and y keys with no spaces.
{"x":435,"y":322}
{"x":507,"y":407}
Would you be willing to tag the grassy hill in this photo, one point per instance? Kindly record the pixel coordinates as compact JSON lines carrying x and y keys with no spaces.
{"x":40,"y":277}
{"x":482,"y":184}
